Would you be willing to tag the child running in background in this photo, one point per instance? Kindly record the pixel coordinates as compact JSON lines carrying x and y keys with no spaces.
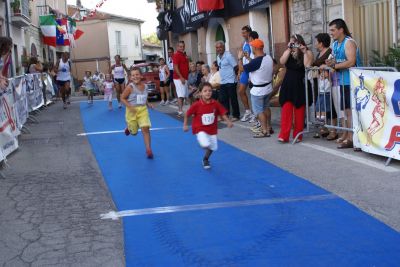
{"x":108,"y":87}
{"x":134,"y":97}
{"x":89,"y":86}
{"x":205,"y":114}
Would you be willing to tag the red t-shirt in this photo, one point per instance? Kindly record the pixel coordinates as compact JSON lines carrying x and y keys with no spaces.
{"x":203,"y":113}
{"x":181,"y":61}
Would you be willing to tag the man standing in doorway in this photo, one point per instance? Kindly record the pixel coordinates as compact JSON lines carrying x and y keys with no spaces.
{"x":227,"y":95}
{"x":244,"y":76}
{"x":345,"y":55}
{"x":181,"y":73}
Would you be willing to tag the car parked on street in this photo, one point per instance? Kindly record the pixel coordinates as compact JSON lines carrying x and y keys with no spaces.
{"x":150,"y":78}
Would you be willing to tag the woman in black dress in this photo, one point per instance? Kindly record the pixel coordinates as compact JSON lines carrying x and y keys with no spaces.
{"x":292,"y":95}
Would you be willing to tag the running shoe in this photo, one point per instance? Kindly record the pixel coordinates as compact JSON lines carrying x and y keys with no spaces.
{"x":162,"y":103}
{"x":65,"y":105}
{"x":167,"y":102}
{"x":206,"y":164}
{"x":127,"y":132}
{"x":149,"y":154}
{"x":256,"y":129}
{"x":246,"y":116}
{"x":88,"y":101}
{"x":173,"y":101}
{"x":180,"y":114}
{"x":253,"y":118}
{"x":119,"y":106}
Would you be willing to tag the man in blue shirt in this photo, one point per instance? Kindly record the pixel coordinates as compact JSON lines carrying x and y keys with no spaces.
{"x":227,"y":93}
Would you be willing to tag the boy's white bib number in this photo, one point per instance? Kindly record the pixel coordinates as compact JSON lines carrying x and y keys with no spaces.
{"x":141,"y":99}
{"x":208,"y":119}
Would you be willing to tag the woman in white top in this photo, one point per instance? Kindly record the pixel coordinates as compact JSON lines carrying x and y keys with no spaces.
{"x":119,"y":69}
{"x":63,"y":69}
{"x":215,"y":79}
{"x":164,"y":82}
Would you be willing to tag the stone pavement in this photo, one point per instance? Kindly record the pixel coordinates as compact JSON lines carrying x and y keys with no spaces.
{"x":52,"y":196}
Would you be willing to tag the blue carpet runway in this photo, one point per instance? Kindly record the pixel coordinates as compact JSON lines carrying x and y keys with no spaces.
{"x":288,"y":228}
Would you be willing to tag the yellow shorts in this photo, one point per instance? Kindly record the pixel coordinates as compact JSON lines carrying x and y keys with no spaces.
{"x":137,"y":120}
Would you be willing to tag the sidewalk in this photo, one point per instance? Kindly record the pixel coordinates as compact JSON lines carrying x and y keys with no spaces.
{"x":52,"y":196}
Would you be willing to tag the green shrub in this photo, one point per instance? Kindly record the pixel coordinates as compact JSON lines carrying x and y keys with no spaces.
{"x":392,"y":58}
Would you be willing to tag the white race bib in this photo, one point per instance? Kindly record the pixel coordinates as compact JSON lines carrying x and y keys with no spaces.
{"x":141,"y":99}
{"x":208,"y":119}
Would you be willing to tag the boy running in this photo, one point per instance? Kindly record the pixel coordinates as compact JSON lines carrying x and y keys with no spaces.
{"x":205,"y":123}
{"x":134,"y":97}
{"x":108,"y":86}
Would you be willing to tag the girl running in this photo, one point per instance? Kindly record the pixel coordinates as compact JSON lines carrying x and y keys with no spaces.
{"x":88,"y":85}
{"x":108,"y":87}
{"x":137,"y":115}
{"x":164,"y":82}
{"x":205,"y":124}
{"x":119,"y":69}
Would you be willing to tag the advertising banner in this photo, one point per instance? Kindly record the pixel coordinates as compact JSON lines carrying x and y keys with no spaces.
{"x":8,"y":124}
{"x":376,"y":111}
{"x":34,"y":92}
{"x":21,"y":101}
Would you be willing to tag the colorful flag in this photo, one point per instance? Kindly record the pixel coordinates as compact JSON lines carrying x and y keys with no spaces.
{"x":61,"y":34}
{"x":207,"y":5}
{"x":48,"y":26}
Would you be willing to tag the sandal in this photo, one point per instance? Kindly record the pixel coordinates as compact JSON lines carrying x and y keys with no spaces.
{"x":340,"y":140}
{"x":332,"y":136}
{"x":282,"y":141}
{"x":261,"y":135}
{"x":346,"y":144}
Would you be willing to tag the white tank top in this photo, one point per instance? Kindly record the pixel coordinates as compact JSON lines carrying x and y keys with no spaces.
{"x":137,"y":97}
{"x":163,"y":73}
{"x":119,"y":72}
{"x":64,"y":71}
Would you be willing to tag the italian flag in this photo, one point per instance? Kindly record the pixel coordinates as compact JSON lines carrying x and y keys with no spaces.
{"x":48,"y":27}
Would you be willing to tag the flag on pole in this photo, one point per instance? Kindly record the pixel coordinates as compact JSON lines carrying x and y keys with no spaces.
{"x":48,"y":26}
{"x":61,"y":32}
{"x":207,"y":5}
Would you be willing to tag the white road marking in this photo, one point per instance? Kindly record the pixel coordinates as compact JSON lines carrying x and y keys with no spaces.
{"x":368,"y":162}
{"x":114,"y":215}
{"x":121,"y":131}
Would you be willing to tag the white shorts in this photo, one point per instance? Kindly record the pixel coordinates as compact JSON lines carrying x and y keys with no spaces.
{"x":207,"y":141}
{"x":181,"y":89}
{"x":108,"y":97}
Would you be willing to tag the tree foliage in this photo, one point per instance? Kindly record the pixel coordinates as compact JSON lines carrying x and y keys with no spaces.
{"x":392,"y":58}
{"x":152,"y":39}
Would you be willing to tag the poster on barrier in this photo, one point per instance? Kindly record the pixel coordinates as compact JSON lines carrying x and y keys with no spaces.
{"x":21,"y":101}
{"x":376,"y":111}
{"x":34,"y":92}
{"x":8,"y":124}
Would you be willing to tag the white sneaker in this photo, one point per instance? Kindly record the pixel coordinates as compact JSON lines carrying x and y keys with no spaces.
{"x":180,"y":114}
{"x":246,"y":116}
{"x":174,"y":100}
{"x":166,"y":102}
{"x":253,"y":118}
{"x":88,"y":101}
{"x":162,"y":103}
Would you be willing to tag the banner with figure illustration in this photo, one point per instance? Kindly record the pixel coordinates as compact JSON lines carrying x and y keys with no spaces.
{"x":376,"y":111}
{"x":8,"y":123}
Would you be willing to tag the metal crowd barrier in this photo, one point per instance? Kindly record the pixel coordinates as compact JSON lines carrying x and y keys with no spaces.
{"x":20,"y":102}
{"x":334,"y":100}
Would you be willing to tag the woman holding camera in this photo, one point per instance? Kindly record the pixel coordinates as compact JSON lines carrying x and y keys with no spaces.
{"x":292,"y":95}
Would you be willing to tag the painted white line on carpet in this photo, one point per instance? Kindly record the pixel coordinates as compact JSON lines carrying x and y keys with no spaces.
{"x":114,"y":215}
{"x":121,"y":131}
{"x":368,"y":162}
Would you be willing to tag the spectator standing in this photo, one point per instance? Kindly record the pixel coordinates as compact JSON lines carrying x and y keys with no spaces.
{"x":260,"y":71}
{"x":164,"y":75}
{"x":193,"y":80}
{"x":170,"y":64}
{"x":345,"y":55}
{"x":292,"y":95}
{"x":181,"y":73}
{"x":227,"y":93}
{"x":244,"y":76}
{"x":5,"y":60}
{"x":322,"y":44}
{"x":35,"y":66}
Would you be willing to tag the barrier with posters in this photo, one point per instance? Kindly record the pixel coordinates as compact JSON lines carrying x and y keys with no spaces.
{"x":376,"y":111}
{"x":23,"y":95}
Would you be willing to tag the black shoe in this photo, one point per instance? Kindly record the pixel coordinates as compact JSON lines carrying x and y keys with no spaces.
{"x":206,"y":164}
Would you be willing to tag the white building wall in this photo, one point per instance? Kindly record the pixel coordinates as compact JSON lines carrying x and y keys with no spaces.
{"x":131,"y":41}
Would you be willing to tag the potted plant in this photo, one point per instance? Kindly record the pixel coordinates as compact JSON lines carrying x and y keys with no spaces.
{"x":16,"y":6}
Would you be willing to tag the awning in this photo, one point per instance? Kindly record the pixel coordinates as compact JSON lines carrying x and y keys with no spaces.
{"x":189,"y":17}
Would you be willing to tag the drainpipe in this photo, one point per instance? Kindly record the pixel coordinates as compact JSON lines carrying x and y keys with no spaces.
{"x":8,"y":32}
{"x":286,"y":19}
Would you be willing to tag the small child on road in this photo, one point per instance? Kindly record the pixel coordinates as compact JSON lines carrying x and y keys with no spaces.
{"x":135,"y":100}
{"x":108,"y":86}
{"x":89,"y":86}
{"x":205,"y":114}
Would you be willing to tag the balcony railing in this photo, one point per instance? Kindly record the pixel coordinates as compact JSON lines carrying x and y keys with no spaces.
{"x":20,"y":13}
